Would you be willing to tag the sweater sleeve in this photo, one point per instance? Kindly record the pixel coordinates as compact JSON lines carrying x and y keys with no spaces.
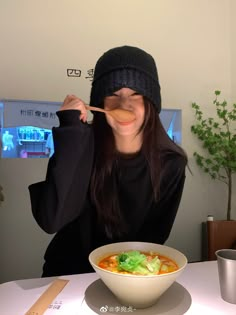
{"x":60,"y":198}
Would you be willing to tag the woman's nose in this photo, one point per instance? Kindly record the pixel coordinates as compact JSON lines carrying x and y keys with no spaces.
{"x":125,"y":103}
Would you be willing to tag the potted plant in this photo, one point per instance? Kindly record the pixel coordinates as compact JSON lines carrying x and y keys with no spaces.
{"x":218,"y":137}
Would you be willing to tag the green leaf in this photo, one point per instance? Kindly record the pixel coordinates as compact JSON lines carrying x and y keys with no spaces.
{"x":135,"y":262}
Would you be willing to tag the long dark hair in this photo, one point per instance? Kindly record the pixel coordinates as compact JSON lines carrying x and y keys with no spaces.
{"x":103,"y":181}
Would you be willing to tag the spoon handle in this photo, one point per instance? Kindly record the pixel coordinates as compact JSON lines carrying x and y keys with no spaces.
{"x":95,"y":108}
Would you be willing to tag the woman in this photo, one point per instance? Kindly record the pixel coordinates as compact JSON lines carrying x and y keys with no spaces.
{"x":109,"y":181}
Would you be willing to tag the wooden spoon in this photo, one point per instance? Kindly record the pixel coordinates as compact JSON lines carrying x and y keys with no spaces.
{"x":120,"y":115}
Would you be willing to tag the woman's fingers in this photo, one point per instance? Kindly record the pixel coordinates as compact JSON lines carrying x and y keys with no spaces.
{"x":73,"y":102}
{"x":83,"y":117}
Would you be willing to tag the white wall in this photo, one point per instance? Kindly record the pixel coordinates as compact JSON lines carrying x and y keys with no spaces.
{"x":192,"y":42}
{"x":233,"y":48}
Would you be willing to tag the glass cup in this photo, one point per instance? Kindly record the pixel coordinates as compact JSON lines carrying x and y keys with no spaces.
{"x":226,"y":261}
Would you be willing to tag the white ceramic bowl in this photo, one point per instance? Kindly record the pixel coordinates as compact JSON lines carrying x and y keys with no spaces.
{"x":133,"y":290}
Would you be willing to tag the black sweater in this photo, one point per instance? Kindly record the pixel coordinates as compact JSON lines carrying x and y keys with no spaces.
{"x":61,"y":203}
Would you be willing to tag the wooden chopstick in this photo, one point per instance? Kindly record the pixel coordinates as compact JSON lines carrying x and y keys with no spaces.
{"x":47,"y":297}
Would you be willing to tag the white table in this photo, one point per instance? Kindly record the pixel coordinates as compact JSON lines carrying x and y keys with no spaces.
{"x":196,"y":292}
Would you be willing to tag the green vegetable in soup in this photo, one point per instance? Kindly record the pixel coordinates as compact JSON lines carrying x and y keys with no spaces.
{"x":136,"y":262}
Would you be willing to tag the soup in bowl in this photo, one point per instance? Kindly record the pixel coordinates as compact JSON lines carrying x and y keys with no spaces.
{"x":137,"y":273}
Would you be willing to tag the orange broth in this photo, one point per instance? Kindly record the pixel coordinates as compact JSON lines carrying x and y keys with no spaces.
{"x":110,"y":263}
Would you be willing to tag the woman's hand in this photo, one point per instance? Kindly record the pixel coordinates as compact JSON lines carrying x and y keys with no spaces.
{"x":73,"y":102}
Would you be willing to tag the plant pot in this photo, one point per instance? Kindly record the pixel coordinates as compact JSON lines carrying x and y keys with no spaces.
{"x":218,"y":234}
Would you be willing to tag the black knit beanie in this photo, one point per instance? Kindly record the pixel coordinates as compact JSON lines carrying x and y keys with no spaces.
{"x":129,"y":67}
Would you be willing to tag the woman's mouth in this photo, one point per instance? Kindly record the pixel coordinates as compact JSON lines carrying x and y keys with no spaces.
{"x":126,"y":123}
